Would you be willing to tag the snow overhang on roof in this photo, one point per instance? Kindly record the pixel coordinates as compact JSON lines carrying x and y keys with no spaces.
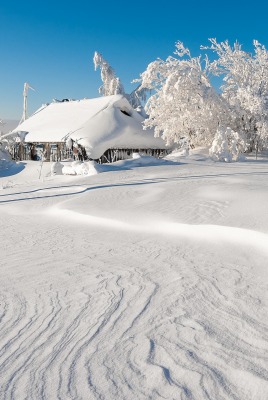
{"x":97,"y":124}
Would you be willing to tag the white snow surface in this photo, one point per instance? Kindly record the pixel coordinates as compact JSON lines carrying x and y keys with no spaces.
{"x":136,"y":283}
{"x":97,"y":124}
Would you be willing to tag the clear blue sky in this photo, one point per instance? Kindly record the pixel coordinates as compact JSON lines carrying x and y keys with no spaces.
{"x":50,"y":44}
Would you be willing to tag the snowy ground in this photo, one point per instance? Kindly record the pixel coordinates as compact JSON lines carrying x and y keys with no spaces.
{"x":147,"y":283}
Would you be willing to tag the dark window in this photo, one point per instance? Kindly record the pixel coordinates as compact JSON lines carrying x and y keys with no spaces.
{"x":125,"y":112}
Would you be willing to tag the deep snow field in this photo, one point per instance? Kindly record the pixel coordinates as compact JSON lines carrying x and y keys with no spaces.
{"x":139,"y":283}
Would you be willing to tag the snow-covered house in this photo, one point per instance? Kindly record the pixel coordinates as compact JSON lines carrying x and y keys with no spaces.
{"x":103,"y":129}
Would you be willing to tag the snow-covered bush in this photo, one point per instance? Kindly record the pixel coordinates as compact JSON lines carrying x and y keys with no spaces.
{"x":68,"y":170}
{"x":86,"y":168}
{"x":219,"y":150}
{"x":227,"y":145}
{"x":56,"y":168}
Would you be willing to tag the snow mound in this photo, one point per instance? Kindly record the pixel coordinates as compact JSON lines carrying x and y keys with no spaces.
{"x":86,"y":168}
{"x":139,"y":160}
{"x":6,"y":162}
{"x":89,"y":168}
{"x":196,"y":154}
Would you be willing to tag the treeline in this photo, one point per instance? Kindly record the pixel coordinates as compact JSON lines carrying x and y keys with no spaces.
{"x":184,"y":107}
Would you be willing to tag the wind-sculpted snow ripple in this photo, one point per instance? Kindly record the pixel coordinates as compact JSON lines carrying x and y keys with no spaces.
{"x":148,"y":324}
{"x":105,"y":309}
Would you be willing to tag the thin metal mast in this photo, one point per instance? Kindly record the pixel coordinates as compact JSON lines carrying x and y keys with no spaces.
{"x":25,"y":94}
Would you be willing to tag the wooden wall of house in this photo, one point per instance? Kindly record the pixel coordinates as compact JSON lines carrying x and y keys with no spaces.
{"x":59,"y":151}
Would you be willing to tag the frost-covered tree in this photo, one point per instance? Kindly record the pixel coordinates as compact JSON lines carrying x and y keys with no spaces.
{"x":245,"y":87}
{"x":184,"y":104}
{"x":137,"y":96}
{"x":111,"y":83}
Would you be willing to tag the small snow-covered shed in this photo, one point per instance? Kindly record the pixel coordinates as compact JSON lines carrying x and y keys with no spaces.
{"x":104,"y":129}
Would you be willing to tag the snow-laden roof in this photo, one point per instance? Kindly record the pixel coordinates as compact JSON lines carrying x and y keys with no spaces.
{"x":97,"y":124}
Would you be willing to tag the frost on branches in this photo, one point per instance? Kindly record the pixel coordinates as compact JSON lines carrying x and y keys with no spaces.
{"x":227,"y":145}
{"x":186,"y":109}
{"x":184,"y":105}
{"x":111,"y":84}
{"x":245,"y":88}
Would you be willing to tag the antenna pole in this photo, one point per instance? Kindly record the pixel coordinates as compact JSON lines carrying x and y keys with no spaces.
{"x":25,"y":94}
